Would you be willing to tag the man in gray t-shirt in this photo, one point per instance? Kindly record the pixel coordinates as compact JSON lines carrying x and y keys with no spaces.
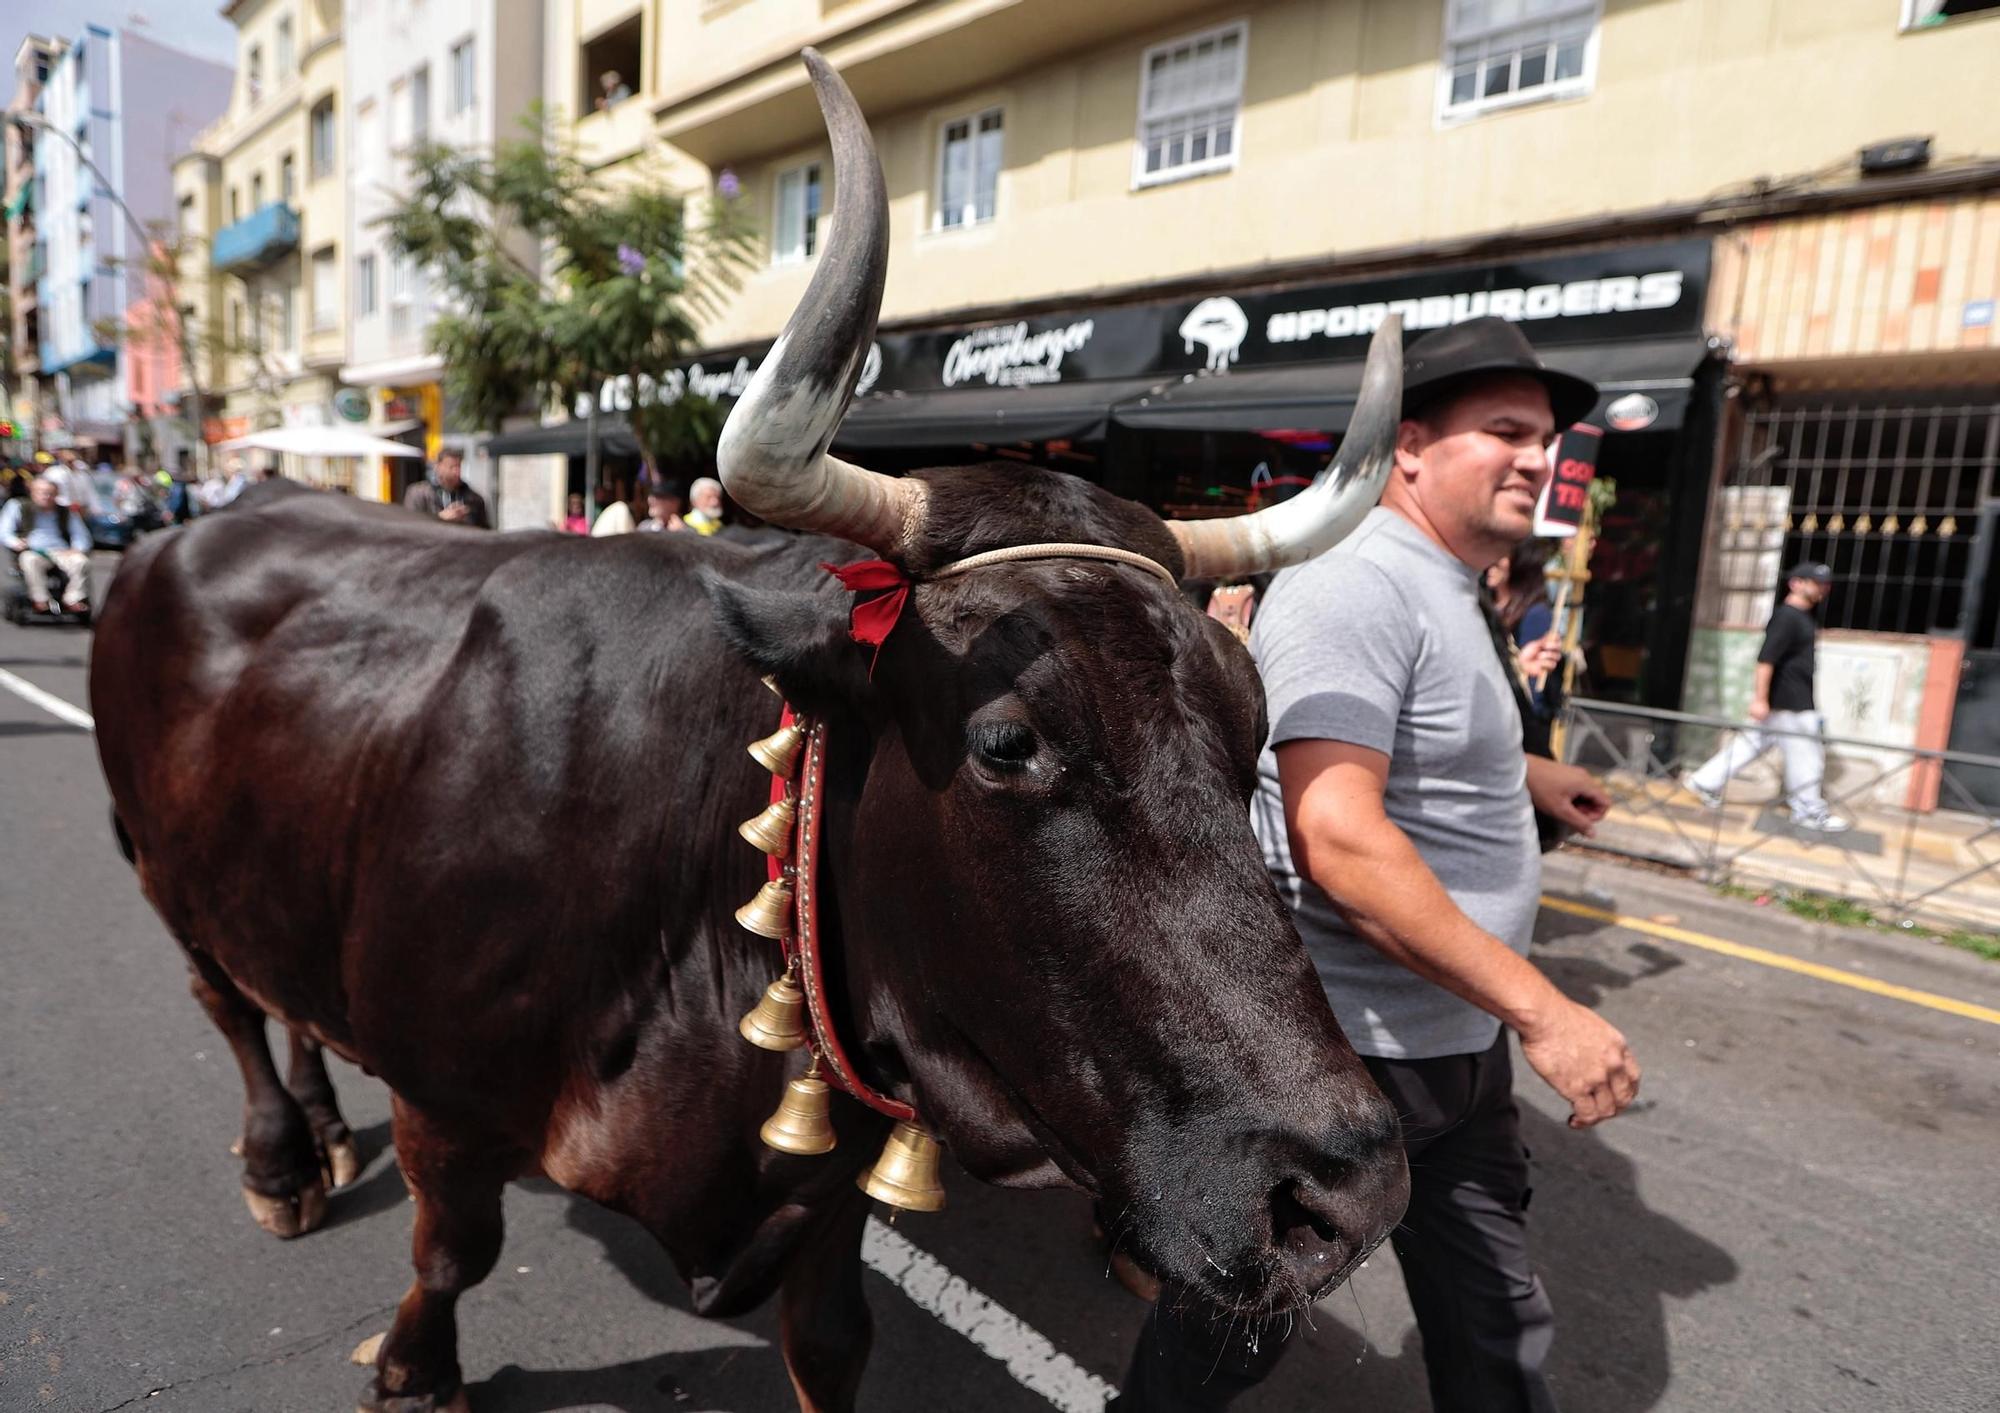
{"x":1395,"y":810}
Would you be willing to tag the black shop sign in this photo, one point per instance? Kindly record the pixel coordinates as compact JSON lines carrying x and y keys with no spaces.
{"x":1630,"y":292}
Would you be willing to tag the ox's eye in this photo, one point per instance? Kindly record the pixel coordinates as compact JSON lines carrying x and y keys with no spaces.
{"x":1003,"y":746}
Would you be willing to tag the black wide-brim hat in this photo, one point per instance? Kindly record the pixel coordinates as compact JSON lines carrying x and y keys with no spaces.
{"x":1437,"y":363}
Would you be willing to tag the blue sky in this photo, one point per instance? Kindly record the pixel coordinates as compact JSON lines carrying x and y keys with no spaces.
{"x":194,"y":25}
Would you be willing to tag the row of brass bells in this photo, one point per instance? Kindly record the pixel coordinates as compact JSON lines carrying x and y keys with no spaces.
{"x":906,"y":1175}
{"x":771,"y":831}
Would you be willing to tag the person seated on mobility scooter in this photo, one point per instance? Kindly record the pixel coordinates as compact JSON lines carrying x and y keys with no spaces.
{"x":44,"y":535}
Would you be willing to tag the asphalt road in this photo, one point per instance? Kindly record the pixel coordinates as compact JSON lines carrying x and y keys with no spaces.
{"x":1799,"y":1215}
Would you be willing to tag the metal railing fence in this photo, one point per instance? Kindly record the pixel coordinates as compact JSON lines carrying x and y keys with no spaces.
{"x":1925,"y":842}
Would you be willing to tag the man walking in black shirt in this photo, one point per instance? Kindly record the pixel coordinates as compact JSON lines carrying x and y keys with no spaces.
{"x":1781,"y":705}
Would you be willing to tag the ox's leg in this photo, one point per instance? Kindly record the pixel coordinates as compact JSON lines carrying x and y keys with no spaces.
{"x":823,"y":1316}
{"x":457,"y":1181}
{"x":310,"y":1084}
{"x":281,"y":1177}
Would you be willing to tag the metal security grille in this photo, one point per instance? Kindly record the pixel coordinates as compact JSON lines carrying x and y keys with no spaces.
{"x":1887,"y":494}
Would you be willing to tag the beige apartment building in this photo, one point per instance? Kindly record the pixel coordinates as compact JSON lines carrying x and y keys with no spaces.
{"x":262,"y":200}
{"x":1146,"y":240}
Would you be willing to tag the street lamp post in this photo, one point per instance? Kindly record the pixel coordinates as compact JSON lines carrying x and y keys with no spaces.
{"x":34,"y":122}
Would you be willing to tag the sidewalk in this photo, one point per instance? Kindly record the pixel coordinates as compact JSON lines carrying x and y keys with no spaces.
{"x":1943,"y":866}
{"x":1632,"y":890}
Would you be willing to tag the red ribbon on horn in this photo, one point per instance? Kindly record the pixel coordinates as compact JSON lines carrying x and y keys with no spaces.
{"x":872,"y":620}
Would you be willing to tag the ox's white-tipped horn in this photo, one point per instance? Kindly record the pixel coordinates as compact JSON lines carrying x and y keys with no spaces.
{"x":1323,"y":514}
{"x":772,"y":453}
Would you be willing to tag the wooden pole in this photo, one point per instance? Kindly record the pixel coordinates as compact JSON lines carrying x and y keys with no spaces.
{"x":1574,"y":577}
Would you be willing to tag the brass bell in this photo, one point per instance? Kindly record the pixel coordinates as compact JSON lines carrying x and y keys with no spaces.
{"x":777,"y":1021}
{"x":906,"y":1175}
{"x":779,"y":751}
{"x":771,"y":831}
{"x":769,"y":914}
{"x":801,"y":1125}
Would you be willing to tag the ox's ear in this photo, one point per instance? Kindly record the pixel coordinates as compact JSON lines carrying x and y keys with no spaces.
{"x":799,"y":638}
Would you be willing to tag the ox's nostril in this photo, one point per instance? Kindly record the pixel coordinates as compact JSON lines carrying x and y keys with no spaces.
{"x":1299,"y":1226}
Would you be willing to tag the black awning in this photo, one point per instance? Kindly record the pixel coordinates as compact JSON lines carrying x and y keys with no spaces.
{"x":961,"y":416}
{"x":614,"y":435}
{"x":1321,"y":396}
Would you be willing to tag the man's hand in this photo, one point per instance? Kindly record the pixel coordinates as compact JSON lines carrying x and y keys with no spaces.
{"x":458,"y":510}
{"x":1542,"y":656}
{"x":1567,"y":793}
{"x":1759,"y":708}
{"x":1585,"y":1060}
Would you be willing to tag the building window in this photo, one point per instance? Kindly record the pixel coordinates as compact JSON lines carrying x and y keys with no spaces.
{"x":1927,"y":14}
{"x":184,"y":222}
{"x":363,"y":156}
{"x":284,"y":48}
{"x":235,"y":206}
{"x":325,"y":288}
{"x":399,"y":115}
{"x":968,"y":170}
{"x":236,"y":324}
{"x":795,"y":228}
{"x":288,"y":178}
{"x":420,"y":104}
{"x":288,"y":329}
{"x":256,"y":191}
{"x":364,"y":286}
{"x":1502,"y":52}
{"x":464,"y":83}
{"x":1190,"y":106}
{"x":253,"y":73}
{"x":609,"y":66}
{"x":322,"y":138}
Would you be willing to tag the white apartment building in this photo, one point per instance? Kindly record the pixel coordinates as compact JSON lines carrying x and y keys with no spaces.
{"x":461,"y":72}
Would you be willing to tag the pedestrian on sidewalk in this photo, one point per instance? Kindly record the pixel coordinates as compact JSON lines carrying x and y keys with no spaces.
{"x":1781,"y":708}
{"x":1393,"y":807}
{"x":445,"y":495}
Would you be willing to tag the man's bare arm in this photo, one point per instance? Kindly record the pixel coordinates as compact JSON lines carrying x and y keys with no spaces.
{"x":1344,"y":841}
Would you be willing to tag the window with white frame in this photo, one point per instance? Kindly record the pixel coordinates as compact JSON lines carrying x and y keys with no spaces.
{"x":1501,"y":52}
{"x":364,"y":286}
{"x":367,"y":123}
{"x":285,"y":62}
{"x":420,"y":103}
{"x":325,"y":288}
{"x":399,"y":115}
{"x":795,"y":223}
{"x":968,"y":170}
{"x":322,"y":138}
{"x":1190,"y":105}
{"x":399,"y":278}
{"x":1927,"y":14}
{"x":463,"y":80}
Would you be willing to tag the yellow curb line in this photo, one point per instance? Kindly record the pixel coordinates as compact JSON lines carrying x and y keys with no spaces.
{"x":1779,"y":960}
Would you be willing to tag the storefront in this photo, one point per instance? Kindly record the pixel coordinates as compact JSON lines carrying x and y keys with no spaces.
{"x":1187,"y":404}
{"x":1867,"y":435}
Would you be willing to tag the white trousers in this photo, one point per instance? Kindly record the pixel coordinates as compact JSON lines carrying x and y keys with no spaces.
{"x":1796,"y":734}
{"x":74,"y":563}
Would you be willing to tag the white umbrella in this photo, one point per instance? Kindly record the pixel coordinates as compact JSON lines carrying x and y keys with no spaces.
{"x":320,"y":441}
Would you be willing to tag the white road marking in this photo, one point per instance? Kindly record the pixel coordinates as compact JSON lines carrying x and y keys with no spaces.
{"x":47,"y":701}
{"x":1035,"y":1363}
{"x":1028,"y":1354}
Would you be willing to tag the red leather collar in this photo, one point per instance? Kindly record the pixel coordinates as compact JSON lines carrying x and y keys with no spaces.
{"x":803,"y":947}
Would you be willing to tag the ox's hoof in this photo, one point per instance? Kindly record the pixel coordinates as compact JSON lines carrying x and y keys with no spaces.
{"x":291,"y":1216}
{"x":342,"y":1164}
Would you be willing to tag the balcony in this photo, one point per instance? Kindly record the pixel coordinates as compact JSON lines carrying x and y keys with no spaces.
{"x":264,"y":236}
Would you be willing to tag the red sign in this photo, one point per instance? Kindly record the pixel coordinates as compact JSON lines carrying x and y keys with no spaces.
{"x":1575,"y":467}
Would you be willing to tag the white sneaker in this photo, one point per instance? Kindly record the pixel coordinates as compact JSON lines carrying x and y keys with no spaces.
{"x":1828,"y":823}
{"x":1707,"y":796}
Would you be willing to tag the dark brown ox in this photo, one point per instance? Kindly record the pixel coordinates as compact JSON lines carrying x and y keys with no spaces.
{"x":461,"y":808}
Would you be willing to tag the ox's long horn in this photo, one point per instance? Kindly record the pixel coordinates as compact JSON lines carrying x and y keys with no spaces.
{"x":1322,"y":515}
{"x":772,"y":453}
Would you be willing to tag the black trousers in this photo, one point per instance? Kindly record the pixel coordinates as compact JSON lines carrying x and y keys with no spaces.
{"x":1463,"y":1245}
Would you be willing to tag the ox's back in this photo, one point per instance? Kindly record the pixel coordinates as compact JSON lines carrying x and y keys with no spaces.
{"x":389,"y":771}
